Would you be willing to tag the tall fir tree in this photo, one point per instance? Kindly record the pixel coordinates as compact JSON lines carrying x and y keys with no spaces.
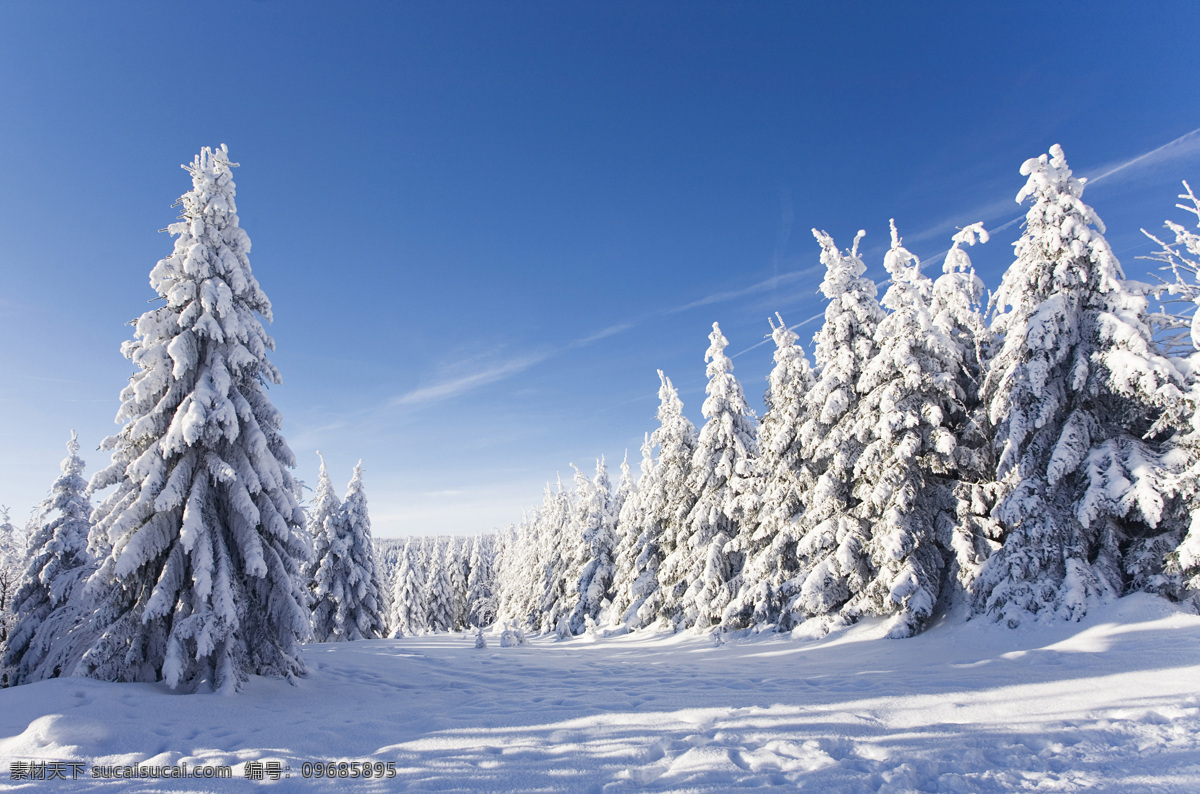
{"x":346,"y":598}
{"x":834,"y":561}
{"x":459,"y":573}
{"x":423,"y":558}
{"x":665,"y":502}
{"x":597,"y":542}
{"x":558,"y":539}
{"x":515,"y":572}
{"x":781,"y":480}
{"x":481,"y":584}
{"x":321,"y":522}
{"x":12,"y":555}
{"x":50,"y":615}
{"x":408,"y":604}
{"x":1181,"y":257}
{"x":202,"y":583}
{"x":696,"y":576}
{"x":627,"y":504}
{"x":439,"y":596}
{"x":1074,"y":391}
{"x":957,"y":313}
{"x":904,"y":480}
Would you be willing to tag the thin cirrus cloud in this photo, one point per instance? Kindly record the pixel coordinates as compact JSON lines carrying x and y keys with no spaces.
{"x":449,"y":388}
{"x":1186,"y":145}
{"x":612,"y":330}
{"x":761,"y":286}
{"x":455,"y":387}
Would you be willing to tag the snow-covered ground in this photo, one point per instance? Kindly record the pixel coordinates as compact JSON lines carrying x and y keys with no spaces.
{"x":1112,"y":703}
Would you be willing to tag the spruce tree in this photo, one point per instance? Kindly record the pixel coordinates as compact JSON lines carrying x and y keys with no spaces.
{"x":12,"y":555}
{"x":481,"y":584}
{"x":904,"y":478}
{"x":664,"y":504}
{"x":439,"y":599}
{"x":597,"y":542}
{"x":1181,"y":334}
{"x":202,"y":582}
{"x":696,"y":574}
{"x":558,"y":541}
{"x":503,"y":551}
{"x":781,"y":481}
{"x":834,"y":561}
{"x":516,"y":561}
{"x":408,"y":608}
{"x":625,"y":487}
{"x":1074,"y":390}
{"x":358,"y":521}
{"x":346,"y":598}
{"x":422,"y":559}
{"x":322,"y":520}
{"x":957,"y":314}
{"x":459,"y":573}
{"x":629,"y":521}
{"x":50,"y":614}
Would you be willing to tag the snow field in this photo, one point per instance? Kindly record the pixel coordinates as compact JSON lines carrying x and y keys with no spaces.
{"x":1110,"y":704}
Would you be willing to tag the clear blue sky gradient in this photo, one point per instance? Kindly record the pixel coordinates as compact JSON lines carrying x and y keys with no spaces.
{"x":484,"y":226}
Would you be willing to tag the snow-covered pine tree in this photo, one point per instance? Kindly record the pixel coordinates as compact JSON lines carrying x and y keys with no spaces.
{"x":625,"y":488}
{"x":1074,"y":390}
{"x":202,"y":583}
{"x":530,"y":580}
{"x":439,"y":598}
{"x":12,"y":555}
{"x":629,"y":521}
{"x":503,"y":547}
{"x":558,"y":535}
{"x":904,"y":480}
{"x":459,"y":575}
{"x":423,"y":559}
{"x":598,"y":540}
{"x":781,"y":481}
{"x":481,"y":583}
{"x":321,"y":523}
{"x":50,"y":615}
{"x":696,"y":574}
{"x":359,"y":615}
{"x":386,"y":552}
{"x":523,"y":571}
{"x":957,"y":313}
{"x":408,"y":603}
{"x":832,"y":549}
{"x":1181,"y":257}
{"x":510,"y":579}
{"x":665,"y":502}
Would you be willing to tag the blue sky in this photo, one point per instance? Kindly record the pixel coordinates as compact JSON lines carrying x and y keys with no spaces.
{"x":484,"y":227}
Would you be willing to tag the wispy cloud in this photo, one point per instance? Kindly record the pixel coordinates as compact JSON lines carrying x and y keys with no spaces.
{"x":982,"y":212}
{"x":611,"y":330}
{"x":761,"y":286}
{"x":458,"y":385}
{"x":1186,"y":145}
{"x":453,"y":387}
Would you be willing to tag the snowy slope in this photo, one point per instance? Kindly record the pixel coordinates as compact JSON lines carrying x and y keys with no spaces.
{"x":1112,"y":703}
